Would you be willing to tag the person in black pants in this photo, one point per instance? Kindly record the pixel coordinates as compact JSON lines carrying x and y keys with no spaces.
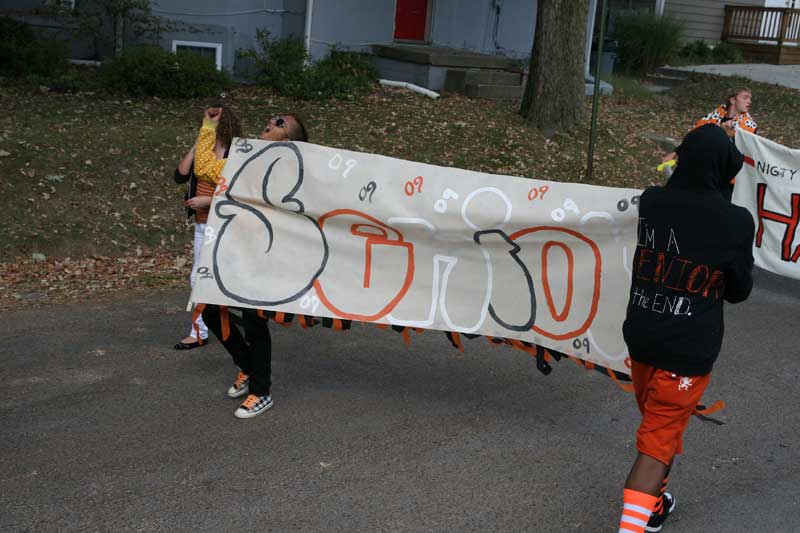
{"x":251,"y":352}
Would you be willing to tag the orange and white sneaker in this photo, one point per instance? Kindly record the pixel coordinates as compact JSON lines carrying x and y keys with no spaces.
{"x":240,"y":387}
{"x":253,"y":406}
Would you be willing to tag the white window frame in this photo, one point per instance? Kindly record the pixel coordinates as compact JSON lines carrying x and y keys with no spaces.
{"x":197,"y":44}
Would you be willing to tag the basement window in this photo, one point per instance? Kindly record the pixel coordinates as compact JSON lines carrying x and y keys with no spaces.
{"x":210,"y":51}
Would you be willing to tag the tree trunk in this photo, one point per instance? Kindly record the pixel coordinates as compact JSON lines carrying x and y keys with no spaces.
{"x":554,"y":95}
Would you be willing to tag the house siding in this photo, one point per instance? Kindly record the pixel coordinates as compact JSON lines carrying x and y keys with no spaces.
{"x":205,"y":21}
{"x":233,"y":26}
{"x":703,"y":18}
{"x":475,"y":26}
{"x":350,"y":24}
{"x":486,"y":26}
{"x":79,"y":47}
{"x":507,"y":31}
{"x":17,"y":6}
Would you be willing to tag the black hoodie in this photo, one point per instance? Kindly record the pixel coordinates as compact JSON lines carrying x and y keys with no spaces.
{"x":694,"y":249}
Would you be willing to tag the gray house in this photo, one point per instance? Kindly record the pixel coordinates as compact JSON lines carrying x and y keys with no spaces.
{"x":496,"y":27}
{"x":704,"y":19}
{"x":766,"y":31}
{"x":415,"y":40}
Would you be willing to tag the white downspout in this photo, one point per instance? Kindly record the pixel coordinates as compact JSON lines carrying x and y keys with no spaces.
{"x":410,"y":87}
{"x":309,"y":18}
{"x":660,"y":7}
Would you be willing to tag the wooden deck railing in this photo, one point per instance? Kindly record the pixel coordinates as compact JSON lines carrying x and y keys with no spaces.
{"x":773,"y":24}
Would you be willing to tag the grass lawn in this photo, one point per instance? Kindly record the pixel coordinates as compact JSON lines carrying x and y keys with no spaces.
{"x":87,"y":178}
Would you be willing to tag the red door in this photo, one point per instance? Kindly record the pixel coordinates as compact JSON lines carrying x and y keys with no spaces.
{"x":410,"y":20}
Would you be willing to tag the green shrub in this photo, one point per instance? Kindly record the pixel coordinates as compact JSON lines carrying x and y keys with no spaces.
{"x":646,"y":40}
{"x":152,"y":71}
{"x":727,"y":53}
{"x":283,"y":66}
{"x":696,"y":52}
{"x":340,"y":75}
{"x":23,"y":53}
{"x":77,"y":79}
{"x":278,"y":64}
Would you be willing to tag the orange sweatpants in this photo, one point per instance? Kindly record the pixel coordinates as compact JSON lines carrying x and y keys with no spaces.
{"x":666,"y":401}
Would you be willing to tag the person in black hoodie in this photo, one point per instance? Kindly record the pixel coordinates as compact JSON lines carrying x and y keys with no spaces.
{"x":694,"y":250}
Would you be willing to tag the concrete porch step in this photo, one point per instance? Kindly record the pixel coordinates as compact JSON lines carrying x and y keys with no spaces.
{"x":444,"y":57}
{"x":605,"y":87}
{"x":657,"y":88}
{"x":673,"y":72}
{"x":456,"y":80}
{"x":666,"y":81}
{"x":493,"y":92}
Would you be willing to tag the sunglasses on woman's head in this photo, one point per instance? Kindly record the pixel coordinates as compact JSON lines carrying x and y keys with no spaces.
{"x":279,"y":123}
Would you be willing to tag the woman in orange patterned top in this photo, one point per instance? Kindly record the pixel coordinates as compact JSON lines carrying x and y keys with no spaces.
{"x":198,"y":202}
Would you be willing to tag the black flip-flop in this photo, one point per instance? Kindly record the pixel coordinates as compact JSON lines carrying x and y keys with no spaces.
{"x":188,"y":346}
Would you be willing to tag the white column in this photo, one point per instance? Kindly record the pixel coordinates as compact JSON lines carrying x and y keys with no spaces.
{"x":309,"y":18}
{"x":660,"y":7}
{"x":589,"y":32}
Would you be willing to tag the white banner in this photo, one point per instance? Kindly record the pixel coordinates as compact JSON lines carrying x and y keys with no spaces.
{"x":310,"y":230}
{"x":769,"y":187}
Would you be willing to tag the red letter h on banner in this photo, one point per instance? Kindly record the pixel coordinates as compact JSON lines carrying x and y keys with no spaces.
{"x":791,"y":222}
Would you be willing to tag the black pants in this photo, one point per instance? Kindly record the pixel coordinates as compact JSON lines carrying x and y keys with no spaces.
{"x":251,"y":353}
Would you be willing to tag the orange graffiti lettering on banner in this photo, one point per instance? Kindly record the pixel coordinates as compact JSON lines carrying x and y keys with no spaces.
{"x":598,"y":269}
{"x":356,"y":229}
{"x":372,"y":239}
{"x":548,"y":294}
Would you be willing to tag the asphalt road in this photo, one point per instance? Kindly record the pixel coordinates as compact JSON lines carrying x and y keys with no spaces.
{"x":103,"y":427}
